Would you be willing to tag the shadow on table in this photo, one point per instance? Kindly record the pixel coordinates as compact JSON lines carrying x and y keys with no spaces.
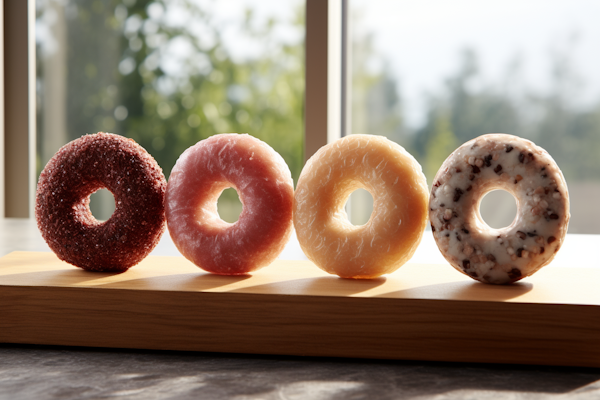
{"x":463,"y":290}
{"x":61,"y":277}
{"x":320,"y":286}
{"x":190,"y":282}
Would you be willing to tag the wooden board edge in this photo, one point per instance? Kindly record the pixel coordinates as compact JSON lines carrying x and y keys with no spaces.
{"x":381,"y":328}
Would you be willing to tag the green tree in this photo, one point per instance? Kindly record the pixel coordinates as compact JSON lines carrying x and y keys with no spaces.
{"x":442,"y":142}
{"x":119,"y":80}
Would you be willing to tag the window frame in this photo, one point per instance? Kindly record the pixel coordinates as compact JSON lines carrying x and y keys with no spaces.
{"x":326,"y":93}
{"x":17,"y":126}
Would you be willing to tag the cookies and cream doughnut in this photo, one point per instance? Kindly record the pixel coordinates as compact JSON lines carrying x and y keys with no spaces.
{"x":62,"y":212}
{"x":518,"y":166}
{"x":265,"y":187}
{"x":392,"y":234}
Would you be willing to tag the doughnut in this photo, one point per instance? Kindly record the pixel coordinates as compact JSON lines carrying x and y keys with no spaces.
{"x":518,"y":166}
{"x":390,"y":237}
{"x":62,"y":212}
{"x":266,"y":190}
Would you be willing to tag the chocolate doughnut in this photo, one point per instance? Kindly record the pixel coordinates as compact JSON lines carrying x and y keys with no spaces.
{"x":518,"y":166}
{"x":392,"y":234}
{"x":266,"y":190}
{"x":80,"y":168}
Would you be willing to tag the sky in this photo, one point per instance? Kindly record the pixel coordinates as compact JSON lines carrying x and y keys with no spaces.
{"x":421,"y":40}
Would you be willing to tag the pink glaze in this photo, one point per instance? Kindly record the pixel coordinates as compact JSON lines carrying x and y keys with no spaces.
{"x":264,"y":184}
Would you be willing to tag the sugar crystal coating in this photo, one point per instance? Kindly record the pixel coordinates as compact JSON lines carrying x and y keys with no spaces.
{"x":528,"y":172}
{"x":265,"y":187}
{"x":62,"y":212}
{"x":399,"y":189}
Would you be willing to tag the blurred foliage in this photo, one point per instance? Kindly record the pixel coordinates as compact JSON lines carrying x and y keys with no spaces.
{"x":169,"y":82}
{"x":463,"y":108}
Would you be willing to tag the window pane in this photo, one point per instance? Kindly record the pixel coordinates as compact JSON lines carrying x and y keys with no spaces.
{"x":434,"y":74}
{"x":170,"y":73}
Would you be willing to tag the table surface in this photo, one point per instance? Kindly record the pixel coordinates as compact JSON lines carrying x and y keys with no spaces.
{"x":52,"y":372}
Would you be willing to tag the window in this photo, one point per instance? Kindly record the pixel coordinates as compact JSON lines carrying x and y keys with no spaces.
{"x":434,"y":74}
{"x":518,"y":68}
{"x":168,"y":74}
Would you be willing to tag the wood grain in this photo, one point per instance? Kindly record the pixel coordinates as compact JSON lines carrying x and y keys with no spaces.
{"x":421,"y":312}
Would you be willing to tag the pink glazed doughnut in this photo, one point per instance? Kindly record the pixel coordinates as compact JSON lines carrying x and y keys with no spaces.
{"x":486,"y":163}
{"x":264,"y":184}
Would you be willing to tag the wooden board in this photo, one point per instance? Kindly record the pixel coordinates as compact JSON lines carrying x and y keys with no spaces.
{"x":421,"y":312}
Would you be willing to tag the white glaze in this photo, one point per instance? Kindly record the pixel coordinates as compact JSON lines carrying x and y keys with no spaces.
{"x":528,"y":172}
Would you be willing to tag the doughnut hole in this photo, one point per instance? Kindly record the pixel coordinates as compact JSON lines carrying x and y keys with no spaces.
{"x":359,"y":207}
{"x":102,"y":204}
{"x":498,"y":209}
{"x":229,"y":205}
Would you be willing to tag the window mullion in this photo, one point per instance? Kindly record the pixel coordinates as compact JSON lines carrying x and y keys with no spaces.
{"x":326,"y":94}
{"x":19,"y":108}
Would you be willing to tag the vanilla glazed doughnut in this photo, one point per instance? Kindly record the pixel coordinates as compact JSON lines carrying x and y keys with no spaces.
{"x":528,"y":172}
{"x":265,"y":187}
{"x":62,"y":212}
{"x":392,"y":234}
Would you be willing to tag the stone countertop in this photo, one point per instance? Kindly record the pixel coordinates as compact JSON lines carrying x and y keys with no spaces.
{"x":55,"y":372}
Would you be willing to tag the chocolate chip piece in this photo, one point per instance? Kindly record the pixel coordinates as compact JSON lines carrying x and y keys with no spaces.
{"x":458,"y":170}
{"x":514,"y":273}
{"x":437,"y":183}
{"x":509,"y":148}
{"x":542,"y":250}
{"x":457,"y":193}
{"x":469,"y":188}
{"x":466,"y":264}
{"x":551,"y":239}
{"x":475,"y":169}
{"x":447,"y":235}
{"x":465,"y":231}
{"x":520,"y":251}
{"x":471,"y":177}
{"x":531,"y":234}
{"x":491,"y":257}
{"x":521,"y":236}
{"x":553,"y":216}
{"x":521,"y":158}
{"x":458,"y":237}
{"x":442,"y":205}
{"x":472,"y":274}
{"x":531,"y":157}
{"x":432,"y":228}
{"x":488,"y":160}
{"x":498,"y":169}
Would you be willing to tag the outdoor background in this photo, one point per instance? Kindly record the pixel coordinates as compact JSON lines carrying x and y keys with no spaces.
{"x":168,"y":74}
{"x":433,"y":74}
{"x":429,"y":75}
